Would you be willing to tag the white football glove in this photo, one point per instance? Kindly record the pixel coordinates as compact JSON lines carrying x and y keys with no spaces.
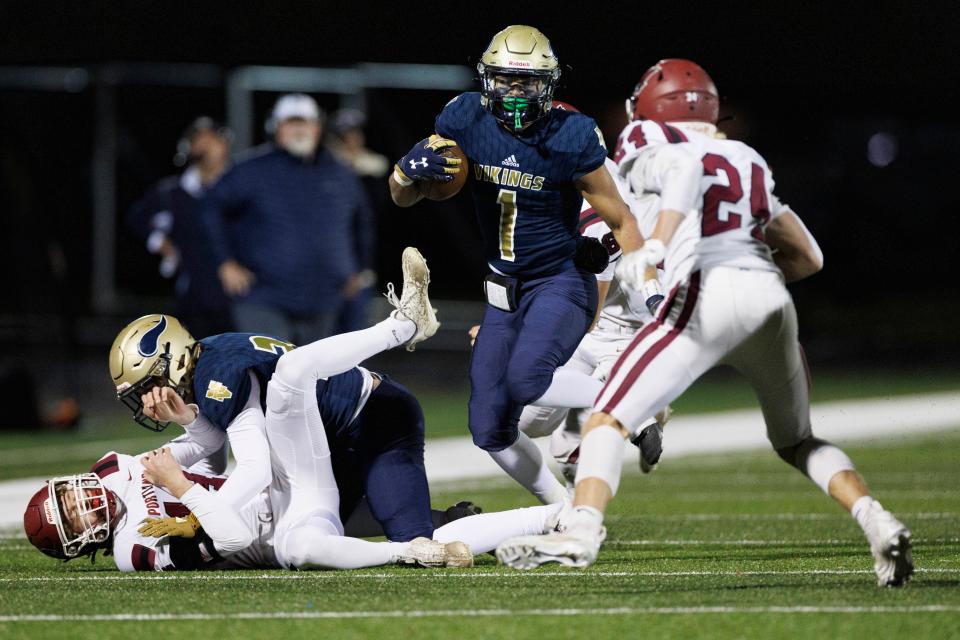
{"x":632,"y":271}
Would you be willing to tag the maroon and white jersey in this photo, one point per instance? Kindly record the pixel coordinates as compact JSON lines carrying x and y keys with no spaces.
{"x":624,"y":306}
{"x":124,"y":476}
{"x":593,"y":226}
{"x":735,"y":202}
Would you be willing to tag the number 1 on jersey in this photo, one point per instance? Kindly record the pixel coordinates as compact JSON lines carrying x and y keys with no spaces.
{"x":508,"y":222}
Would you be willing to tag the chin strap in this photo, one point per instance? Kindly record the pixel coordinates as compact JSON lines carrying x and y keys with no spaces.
{"x":703,"y":128}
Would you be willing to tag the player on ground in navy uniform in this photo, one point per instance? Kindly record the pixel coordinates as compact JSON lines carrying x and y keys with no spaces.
{"x":530,"y":167}
{"x":374,"y":426}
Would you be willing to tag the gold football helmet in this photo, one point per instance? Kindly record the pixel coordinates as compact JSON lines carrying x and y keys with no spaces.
{"x":519,"y":73}
{"x":152,"y":351}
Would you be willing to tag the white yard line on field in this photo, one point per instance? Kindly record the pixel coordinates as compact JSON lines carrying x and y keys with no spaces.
{"x":745,"y":543}
{"x":443,"y":575}
{"x":683,"y":543}
{"x":473,"y":613}
{"x":457,"y":459}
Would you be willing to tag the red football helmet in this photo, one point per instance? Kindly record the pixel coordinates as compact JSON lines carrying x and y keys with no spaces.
{"x":565,"y":106}
{"x":674,"y":90}
{"x":71,"y":516}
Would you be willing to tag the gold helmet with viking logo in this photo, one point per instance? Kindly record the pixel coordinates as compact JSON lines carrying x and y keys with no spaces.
{"x":519,"y":73}
{"x":155,"y":350}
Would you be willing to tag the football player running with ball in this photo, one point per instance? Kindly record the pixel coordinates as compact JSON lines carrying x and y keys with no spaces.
{"x":530,"y":168}
{"x":727,"y":305}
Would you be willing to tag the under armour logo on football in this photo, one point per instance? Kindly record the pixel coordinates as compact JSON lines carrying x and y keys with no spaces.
{"x":422,"y":162}
{"x":511,"y":161}
{"x":692,"y":96}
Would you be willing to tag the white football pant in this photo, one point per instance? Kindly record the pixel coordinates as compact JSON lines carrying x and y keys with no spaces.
{"x":739,"y":317}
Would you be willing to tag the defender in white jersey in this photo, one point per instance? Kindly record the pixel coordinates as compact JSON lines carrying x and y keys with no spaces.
{"x":152,"y":516}
{"x":727,"y":305}
{"x":622,"y":313}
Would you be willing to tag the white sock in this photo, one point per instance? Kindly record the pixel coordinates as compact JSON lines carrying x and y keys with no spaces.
{"x":861,"y":508}
{"x":303,"y":366}
{"x":398,"y":330}
{"x":570,"y":389}
{"x":524,"y":463}
{"x":310,"y":547}
{"x":601,"y":456}
{"x":584,"y":520}
{"x":485,"y":531}
{"x":826,"y":461}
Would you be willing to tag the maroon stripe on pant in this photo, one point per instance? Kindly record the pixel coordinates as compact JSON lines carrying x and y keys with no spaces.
{"x":692,"y":294}
{"x":667,"y":305}
{"x":640,"y":337}
{"x":644,"y":332}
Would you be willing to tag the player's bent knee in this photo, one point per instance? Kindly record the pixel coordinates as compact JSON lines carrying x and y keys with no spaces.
{"x":796,"y":454}
{"x":294,"y":369}
{"x":303,"y":547}
{"x":600,"y":419}
{"x":818,"y":459}
{"x":493,"y":440}
{"x":526,"y":386}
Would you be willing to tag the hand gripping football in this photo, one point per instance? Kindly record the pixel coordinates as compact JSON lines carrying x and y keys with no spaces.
{"x":438,"y":191}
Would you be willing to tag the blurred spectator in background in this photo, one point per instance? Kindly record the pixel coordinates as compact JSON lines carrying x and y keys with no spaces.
{"x":167,"y":219}
{"x":282,"y":229}
{"x":347,"y":142}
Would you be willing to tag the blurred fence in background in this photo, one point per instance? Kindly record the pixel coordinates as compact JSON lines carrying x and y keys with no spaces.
{"x":79,"y":144}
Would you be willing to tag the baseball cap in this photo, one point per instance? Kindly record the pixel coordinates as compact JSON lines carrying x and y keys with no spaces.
{"x":295,"y":105}
{"x":346,"y":119}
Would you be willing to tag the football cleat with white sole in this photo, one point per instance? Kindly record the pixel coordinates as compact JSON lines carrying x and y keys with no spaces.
{"x":414,"y":303}
{"x":529,"y":552}
{"x":424,"y":552}
{"x":891,"y":547}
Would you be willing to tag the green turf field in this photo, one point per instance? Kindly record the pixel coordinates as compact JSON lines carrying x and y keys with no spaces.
{"x":32,"y":454}
{"x":726,"y":546}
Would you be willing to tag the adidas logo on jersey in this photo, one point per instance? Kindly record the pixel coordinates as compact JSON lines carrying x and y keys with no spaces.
{"x":511,"y":161}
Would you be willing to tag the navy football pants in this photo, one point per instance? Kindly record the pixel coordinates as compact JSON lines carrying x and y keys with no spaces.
{"x":517,"y":353}
{"x":380,"y":456}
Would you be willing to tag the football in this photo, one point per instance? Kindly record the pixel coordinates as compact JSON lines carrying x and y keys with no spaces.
{"x":439,"y":191}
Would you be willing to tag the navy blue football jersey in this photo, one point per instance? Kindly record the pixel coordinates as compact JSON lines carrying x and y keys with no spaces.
{"x":522,"y":185}
{"x":221,"y":385}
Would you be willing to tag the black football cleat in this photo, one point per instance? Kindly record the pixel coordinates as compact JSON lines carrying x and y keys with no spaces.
{"x":650,"y":442}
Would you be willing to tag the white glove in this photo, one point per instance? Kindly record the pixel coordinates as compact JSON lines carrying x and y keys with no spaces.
{"x":632,"y":267}
{"x":632,"y":272}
